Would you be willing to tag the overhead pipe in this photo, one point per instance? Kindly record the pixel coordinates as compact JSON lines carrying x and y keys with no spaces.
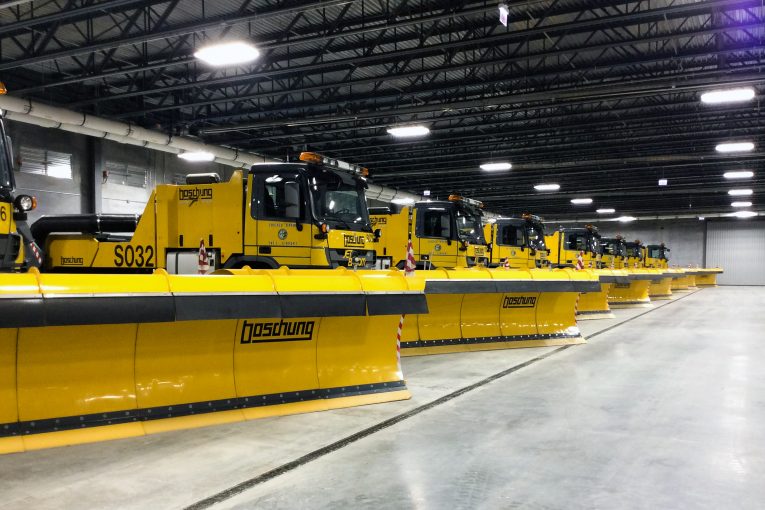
{"x":47,"y":116}
{"x":33,"y":112}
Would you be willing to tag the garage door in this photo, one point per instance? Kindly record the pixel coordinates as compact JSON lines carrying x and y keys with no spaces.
{"x":739,"y":248}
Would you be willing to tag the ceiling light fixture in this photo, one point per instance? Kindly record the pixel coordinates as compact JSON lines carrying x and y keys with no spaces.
{"x":741,"y":204}
{"x":402,"y":201}
{"x":496,"y":167}
{"x":739,"y":192}
{"x":197,"y":156}
{"x":228,"y":53}
{"x":744,"y":214}
{"x":408,"y":131}
{"x":701,"y":218}
{"x":504,"y":11}
{"x":581,"y":201}
{"x":734,"y":147}
{"x":663,"y":182}
{"x":547,"y":187}
{"x":743,"y":174}
{"x":728,"y":96}
{"x":605,"y":211}
{"x":626,"y":219}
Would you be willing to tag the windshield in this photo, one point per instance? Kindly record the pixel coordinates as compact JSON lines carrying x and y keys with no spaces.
{"x":339,"y":203}
{"x":657,"y":252}
{"x":469,"y":226}
{"x":5,"y":167}
{"x":536,"y":237}
{"x":614,"y":247}
{"x":633,"y":250}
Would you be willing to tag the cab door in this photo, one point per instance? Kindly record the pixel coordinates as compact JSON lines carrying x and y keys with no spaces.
{"x":435,"y":230}
{"x":279,"y":208}
{"x":512,"y":244}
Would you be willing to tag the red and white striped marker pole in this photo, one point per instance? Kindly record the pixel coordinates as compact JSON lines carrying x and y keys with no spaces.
{"x":36,"y":253}
{"x":409,"y":266}
{"x":580,"y":261}
{"x":204,"y":261}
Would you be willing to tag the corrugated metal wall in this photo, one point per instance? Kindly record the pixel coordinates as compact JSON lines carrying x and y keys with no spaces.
{"x":739,"y":248}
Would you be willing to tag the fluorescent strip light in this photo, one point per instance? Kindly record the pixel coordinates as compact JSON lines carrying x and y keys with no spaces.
{"x":735,"y":147}
{"x":605,"y":211}
{"x":408,"y":131}
{"x":581,"y":201}
{"x":402,"y":201}
{"x":739,"y":192}
{"x":197,"y":157}
{"x":744,"y":174}
{"x":663,"y":182}
{"x":547,"y":187}
{"x":701,"y":218}
{"x":728,"y":96}
{"x":626,"y":219}
{"x":744,"y":214}
{"x":228,"y":54}
{"x":495,"y":167}
{"x":741,"y":204}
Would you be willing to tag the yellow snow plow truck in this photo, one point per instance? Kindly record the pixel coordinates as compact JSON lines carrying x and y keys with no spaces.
{"x":444,"y":233}
{"x":307,"y":214}
{"x":517,"y":242}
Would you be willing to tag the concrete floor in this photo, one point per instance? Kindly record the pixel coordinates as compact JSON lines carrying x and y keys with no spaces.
{"x":664,"y":410}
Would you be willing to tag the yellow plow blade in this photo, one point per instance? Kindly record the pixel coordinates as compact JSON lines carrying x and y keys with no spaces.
{"x":594,"y":305}
{"x":631,"y":290}
{"x":707,"y":277}
{"x":661,"y":289}
{"x":681,"y":281}
{"x":481,"y":309}
{"x":86,"y":358}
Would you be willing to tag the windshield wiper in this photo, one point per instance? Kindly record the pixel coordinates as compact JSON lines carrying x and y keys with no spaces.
{"x":345,"y":224}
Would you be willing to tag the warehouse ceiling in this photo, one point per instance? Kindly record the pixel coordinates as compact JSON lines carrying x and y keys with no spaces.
{"x":600,"y":97}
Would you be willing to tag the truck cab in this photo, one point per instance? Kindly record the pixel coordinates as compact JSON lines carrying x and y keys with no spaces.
{"x":444,"y":233}
{"x":566,"y":244}
{"x":306,"y":214}
{"x":517,"y":242}
{"x":634,"y":251}
{"x":15,"y":237}
{"x":655,"y":256}
{"x":614,"y":253}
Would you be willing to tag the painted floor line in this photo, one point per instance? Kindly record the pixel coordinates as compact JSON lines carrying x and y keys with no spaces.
{"x":321,"y":452}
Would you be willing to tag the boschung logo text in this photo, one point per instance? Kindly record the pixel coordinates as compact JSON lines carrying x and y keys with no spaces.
{"x":519,"y":302}
{"x":281,"y":331}
{"x":195,"y":194}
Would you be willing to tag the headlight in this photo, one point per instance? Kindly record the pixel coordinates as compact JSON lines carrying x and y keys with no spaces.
{"x":25,"y":203}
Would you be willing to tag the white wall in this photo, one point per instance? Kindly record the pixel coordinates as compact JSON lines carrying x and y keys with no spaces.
{"x":685,"y":238}
{"x":72,"y":196}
